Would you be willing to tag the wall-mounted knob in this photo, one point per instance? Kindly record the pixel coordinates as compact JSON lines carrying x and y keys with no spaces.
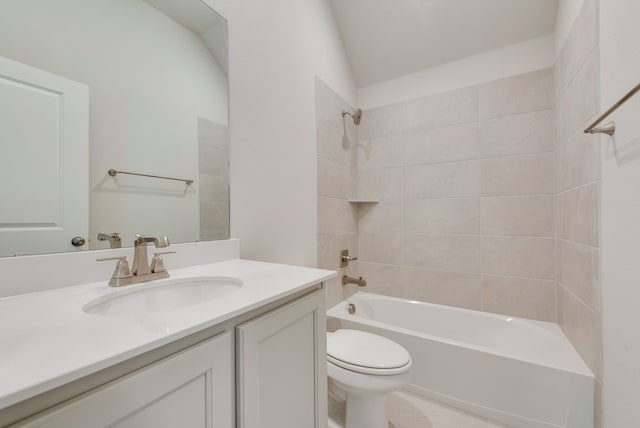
{"x":345,"y":258}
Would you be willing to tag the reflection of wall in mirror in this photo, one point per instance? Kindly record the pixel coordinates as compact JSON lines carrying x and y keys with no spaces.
{"x":213,"y":179}
{"x":144,"y":114}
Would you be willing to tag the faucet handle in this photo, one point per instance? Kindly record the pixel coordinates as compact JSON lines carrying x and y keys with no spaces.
{"x":122,"y":268}
{"x":345,"y":258}
{"x":157,"y":263}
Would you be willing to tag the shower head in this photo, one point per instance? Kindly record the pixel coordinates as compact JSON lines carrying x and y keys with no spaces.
{"x":356,"y":116}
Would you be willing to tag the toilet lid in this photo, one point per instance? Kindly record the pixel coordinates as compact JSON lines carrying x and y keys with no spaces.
{"x":365,"y":352}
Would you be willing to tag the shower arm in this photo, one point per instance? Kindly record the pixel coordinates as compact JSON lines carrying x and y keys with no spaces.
{"x":355,"y":116}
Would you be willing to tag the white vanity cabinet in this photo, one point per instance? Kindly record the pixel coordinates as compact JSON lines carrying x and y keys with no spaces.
{"x":191,"y":389}
{"x":274,"y":357}
{"x":281,"y":371}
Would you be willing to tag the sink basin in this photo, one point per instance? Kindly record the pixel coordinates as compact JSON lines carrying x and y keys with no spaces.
{"x":163,"y":296}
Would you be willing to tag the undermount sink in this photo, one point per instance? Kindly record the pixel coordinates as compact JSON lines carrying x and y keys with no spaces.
{"x":163,"y":296}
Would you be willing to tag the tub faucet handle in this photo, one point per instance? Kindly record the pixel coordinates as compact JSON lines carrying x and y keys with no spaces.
{"x":345,"y":258}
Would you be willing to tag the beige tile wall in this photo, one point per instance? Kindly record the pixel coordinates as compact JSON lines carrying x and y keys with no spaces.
{"x":213,"y":180}
{"x":577,"y":187}
{"x":466,"y":187}
{"x":337,"y":217}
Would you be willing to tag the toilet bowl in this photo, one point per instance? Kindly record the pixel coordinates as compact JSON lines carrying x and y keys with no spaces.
{"x":362,"y":369}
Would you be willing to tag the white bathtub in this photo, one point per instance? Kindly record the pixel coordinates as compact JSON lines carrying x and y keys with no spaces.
{"x":516,"y":371}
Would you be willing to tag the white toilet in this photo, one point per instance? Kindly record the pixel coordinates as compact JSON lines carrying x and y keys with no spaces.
{"x":363,"y":368}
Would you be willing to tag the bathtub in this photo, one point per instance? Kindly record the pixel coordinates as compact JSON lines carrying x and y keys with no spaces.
{"x":520,"y":372}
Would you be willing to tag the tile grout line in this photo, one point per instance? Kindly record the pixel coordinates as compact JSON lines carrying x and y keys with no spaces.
{"x":477,"y":121}
{"x":488,"y":274}
{"x":461,"y":161}
{"x":579,"y":300}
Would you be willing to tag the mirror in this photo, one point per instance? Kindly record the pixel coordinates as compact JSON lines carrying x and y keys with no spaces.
{"x":89,"y":86}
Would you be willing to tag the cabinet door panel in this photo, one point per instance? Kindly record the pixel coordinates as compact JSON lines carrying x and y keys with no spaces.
{"x":184,"y":407}
{"x":192,"y":389}
{"x":282,"y":367}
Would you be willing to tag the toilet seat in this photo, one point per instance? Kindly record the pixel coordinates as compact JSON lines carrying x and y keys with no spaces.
{"x":367,"y":353}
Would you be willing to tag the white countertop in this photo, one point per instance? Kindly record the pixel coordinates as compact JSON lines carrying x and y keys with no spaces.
{"x":46,"y":340}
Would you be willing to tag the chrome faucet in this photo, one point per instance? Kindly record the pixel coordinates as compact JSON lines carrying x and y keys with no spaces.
{"x":140,"y":256}
{"x":349,"y":280}
{"x":141,"y":271}
{"x":113,"y":238}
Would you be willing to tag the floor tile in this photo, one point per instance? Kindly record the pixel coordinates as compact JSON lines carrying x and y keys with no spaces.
{"x":407,"y":410}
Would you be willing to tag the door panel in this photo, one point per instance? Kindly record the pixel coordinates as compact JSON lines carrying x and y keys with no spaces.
{"x":44,"y":136}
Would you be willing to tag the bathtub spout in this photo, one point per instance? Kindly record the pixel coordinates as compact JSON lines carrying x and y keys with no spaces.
{"x":348,"y":280}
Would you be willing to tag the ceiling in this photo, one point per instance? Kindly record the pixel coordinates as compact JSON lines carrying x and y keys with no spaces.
{"x":386,"y":39}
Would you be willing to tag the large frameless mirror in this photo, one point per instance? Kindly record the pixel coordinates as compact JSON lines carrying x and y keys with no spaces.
{"x":113,"y":122}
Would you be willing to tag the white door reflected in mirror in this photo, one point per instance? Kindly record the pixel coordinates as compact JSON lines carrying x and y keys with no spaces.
{"x":44,"y":169}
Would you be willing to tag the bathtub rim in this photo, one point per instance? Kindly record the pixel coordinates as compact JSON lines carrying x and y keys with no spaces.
{"x":339,"y":311}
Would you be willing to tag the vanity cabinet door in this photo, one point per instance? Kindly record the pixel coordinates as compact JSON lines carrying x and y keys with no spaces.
{"x":193,"y":388}
{"x":282,"y":367}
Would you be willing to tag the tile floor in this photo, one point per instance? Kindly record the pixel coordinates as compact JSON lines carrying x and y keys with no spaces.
{"x":408,"y":410}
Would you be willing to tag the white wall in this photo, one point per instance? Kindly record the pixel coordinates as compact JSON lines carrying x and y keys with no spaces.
{"x":520,"y":58}
{"x":620,"y":205}
{"x":133,"y":125}
{"x":276,"y":50}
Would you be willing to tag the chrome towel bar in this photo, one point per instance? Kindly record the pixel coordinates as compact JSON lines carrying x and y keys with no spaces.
{"x":610,"y":128}
{"x":112,"y":172}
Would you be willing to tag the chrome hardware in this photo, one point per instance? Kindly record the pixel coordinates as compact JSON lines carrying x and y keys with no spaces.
{"x":356,"y":116}
{"x":141,"y":271}
{"x":345,"y":258}
{"x":157,"y":263}
{"x":140,"y":256}
{"x":78,"y":241}
{"x":351,"y":308}
{"x":113,"y":238}
{"x":349,"y":280}
{"x":610,"y":128}
{"x":113,"y":172}
{"x":122,"y":275}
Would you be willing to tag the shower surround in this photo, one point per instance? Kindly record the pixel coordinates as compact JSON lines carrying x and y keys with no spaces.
{"x":465,"y":184}
{"x":465,"y":181}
